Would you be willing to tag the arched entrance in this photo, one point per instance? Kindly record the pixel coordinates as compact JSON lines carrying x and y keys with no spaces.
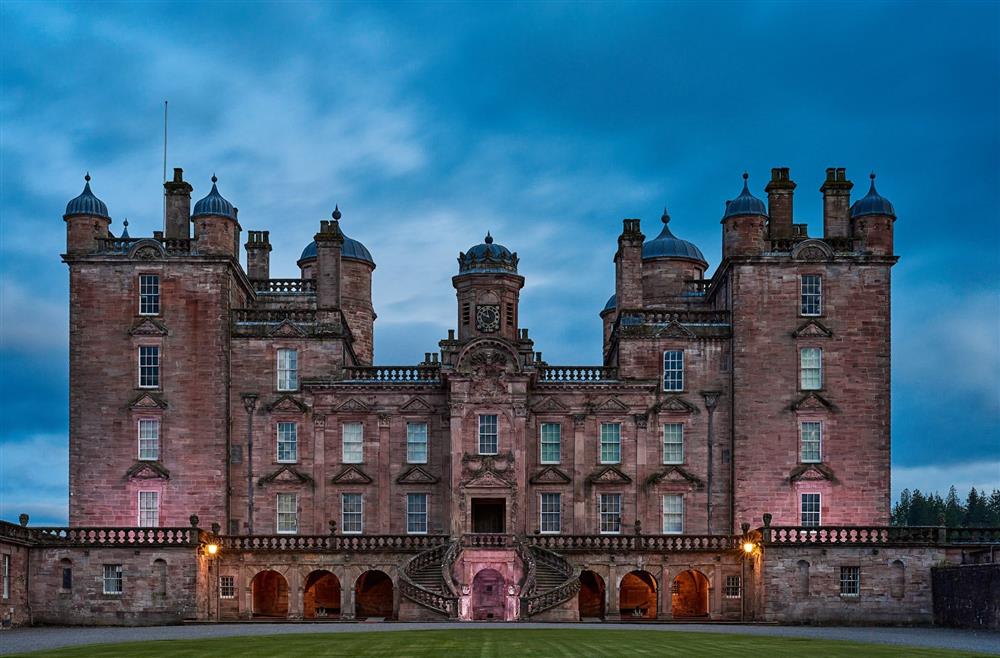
{"x":488,"y":595}
{"x":637,"y":596}
{"x":269,"y":590}
{"x":321,"y":598}
{"x":689,"y":595}
{"x":591,"y":596}
{"x":373,"y":595}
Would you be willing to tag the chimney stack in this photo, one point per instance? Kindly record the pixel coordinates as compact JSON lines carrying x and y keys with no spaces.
{"x":836,"y":191}
{"x":329,"y":242}
{"x":628,"y":266}
{"x":178,"y":219}
{"x":258,"y":248}
{"x":779,"y":203}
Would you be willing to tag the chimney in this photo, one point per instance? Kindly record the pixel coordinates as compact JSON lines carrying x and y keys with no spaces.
{"x":258,"y":248}
{"x":178,"y":219}
{"x":628,"y":266}
{"x":779,"y":203}
{"x":329,"y":242}
{"x":836,"y":191}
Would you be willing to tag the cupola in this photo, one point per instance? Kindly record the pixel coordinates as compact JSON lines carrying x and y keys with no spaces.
{"x":745,"y":204}
{"x":87,"y":203}
{"x":488,"y":257}
{"x":872,"y":203}
{"x":667,"y":245}
{"x":351,"y":250}
{"x":214,"y":204}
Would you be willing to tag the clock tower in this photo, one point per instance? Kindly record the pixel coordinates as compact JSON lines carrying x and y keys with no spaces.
{"x":488,"y":287}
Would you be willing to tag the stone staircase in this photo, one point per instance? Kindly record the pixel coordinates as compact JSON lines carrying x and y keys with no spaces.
{"x":426,"y":579}
{"x":550,"y":581}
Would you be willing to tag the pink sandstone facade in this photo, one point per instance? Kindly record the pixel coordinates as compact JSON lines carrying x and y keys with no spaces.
{"x":483,"y":482}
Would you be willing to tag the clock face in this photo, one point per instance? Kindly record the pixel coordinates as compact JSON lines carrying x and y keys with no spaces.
{"x":487,"y":318}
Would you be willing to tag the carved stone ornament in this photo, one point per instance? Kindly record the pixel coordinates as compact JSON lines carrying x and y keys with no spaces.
{"x":579,"y":420}
{"x":812,"y":250}
{"x":147,"y":253}
{"x":550,"y":475}
{"x":608,"y":475}
{"x":811,"y":473}
{"x":812,"y":329}
{"x":675,"y":474}
{"x":417,"y":475}
{"x":146,"y":470}
{"x":384,"y":419}
{"x":287,"y":474}
{"x":351,"y":475}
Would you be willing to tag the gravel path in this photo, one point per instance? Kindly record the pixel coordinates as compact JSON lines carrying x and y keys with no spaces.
{"x":31,"y":639}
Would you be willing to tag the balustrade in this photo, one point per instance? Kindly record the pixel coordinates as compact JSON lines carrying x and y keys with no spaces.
{"x":270,"y":316}
{"x":354,"y":543}
{"x":393,"y":374}
{"x":116,"y":536}
{"x":284,"y":286}
{"x":487,"y":540}
{"x":639,"y":543}
{"x":577,"y":374}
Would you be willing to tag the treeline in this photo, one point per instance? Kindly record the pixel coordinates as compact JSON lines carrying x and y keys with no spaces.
{"x":978,"y":510}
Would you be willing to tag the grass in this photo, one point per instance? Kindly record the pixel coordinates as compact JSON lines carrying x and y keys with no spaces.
{"x":485,"y":643}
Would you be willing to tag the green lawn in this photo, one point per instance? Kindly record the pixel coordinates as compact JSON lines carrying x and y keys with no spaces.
{"x":484,"y":643}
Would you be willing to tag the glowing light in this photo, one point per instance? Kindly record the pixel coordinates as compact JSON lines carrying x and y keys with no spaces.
{"x":748,"y":547}
{"x":212,"y":549}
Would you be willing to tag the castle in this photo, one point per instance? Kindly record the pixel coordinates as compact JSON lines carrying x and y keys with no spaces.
{"x":728,"y":460}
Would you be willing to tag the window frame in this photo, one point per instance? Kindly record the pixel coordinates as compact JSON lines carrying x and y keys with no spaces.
{"x":425,"y":513}
{"x":542,"y":512}
{"x":291,"y":380}
{"x":679,"y":369}
{"x":278,"y":512}
{"x":360,"y":513}
{"x":732,"y":586}
{"x":818,"y":368}
{"x":672,"y":514}
{"x":853,"y":581}
{"x":359,"y":445}
{"x":546,"y":441}
{"x":410,"y":444}
{"x":484,"y":433}
{"x":145,"y":511}
{"x":680,"y":443}
{"x":602,"y":513}
{"x":225,"y":586}
{"x":283,"y":440}
{"x":818,"y":441}
{"x":66,"y":580}
{"x":818,"y":512}
{"x":5,"y":575}
{"x":155,"y":368}
{"x":606,"y":443}
{"x":153,"y":297}
{"x":117,"y":576}
{"x":140,"y":439}
{"x":818,"y":295}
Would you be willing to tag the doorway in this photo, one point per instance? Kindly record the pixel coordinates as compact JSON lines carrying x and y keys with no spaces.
{"x":488,"y":595}
{"x":488,"y":515}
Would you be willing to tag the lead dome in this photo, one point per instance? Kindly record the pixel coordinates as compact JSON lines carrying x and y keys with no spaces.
{"x":87,"y":203}
{"x":668,"y":245}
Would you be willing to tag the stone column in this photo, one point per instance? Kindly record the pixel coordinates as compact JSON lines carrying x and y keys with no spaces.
{"x":319,"y":472}
{"x":347,"y":594}
{"x":383,"y":485}
{"x":664,"y":601}
{"x":579,"y":474}
{"x":611,"y":587}
{"x":295,"y":587}
{"x":711,"y":401}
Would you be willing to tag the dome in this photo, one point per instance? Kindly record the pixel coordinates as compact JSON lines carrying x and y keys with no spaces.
{"x":352,"y":250}
{"x":487,"y":257}
{"x":667,"y":245}
{"x":612,"y":303}
{"x":214,"y":204}
{"x":745,"y":203}
{"x":872,"y":203}
{"x":87,"y":203}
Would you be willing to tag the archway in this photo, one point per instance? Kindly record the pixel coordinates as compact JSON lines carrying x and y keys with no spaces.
{"x":270,"y":594}
{"x":373,"y":595}
{"x":689,"y":595}
{"x":488,"y":595}
{"x":321,"y":598}
{"x":591,"y":596}
{"x":637,"y":596}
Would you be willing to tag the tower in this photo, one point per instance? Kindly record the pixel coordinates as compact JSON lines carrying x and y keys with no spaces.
{"x":488,"y":288}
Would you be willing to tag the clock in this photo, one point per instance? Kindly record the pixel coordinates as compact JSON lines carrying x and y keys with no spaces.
{"x":487,"y":318}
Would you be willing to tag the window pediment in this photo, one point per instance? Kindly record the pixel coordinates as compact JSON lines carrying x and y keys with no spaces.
{"x":147,"y":402}
{"x":488,"y":480}
{"x":148,"y":327}
{"x":813,"y":401}
{"x":550,"y":475}
{"x":812,"y":329}
{"x":611,"y":405}
{"x":147,"y":471}
{"x":416,"y":404}
{"x":811,"y":473}
{"x":286,"y":328}
{"x":351,"y":475}
{"x":287,"y":474}
{"x":675,"y":330}
{"x":417,"y":475}
{"x":353,"y":405}
{"x":675,"y":405}
{"x":287,"y":403}
{"x":675,"y":475}
{"x":608,"y":475}
{"x":550,"y":404}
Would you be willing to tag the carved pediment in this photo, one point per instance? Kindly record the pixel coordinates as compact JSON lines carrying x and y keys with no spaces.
{"x":488,"y":480}
{"x":612,"y":405}
{"x":286,"y":328}
{"x":351,"y":475}
{"x":811,"y":473}
{"x":813,"y":250}
{"x":550,"y":404}
{"x":417,"y":475}
{"x":674,"y":474}
{"x":353,"y":405}
{"x":550,"y":475}
{"x":675,"y":405}
{"x":287,"y":403}
{"x":812,"y":329}
{"x":416,"y":404}
{"x":813,"y":401}
{"x":608,"y":475}
{"x":147,"y":471}
{"x":147,"y":401}
{"x":147,"y":327}
{"x":287,"y":474}
{"x":674,"y":330}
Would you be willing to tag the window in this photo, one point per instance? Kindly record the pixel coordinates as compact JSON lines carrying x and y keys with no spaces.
{"x":810,"y":437}
{"x":611,"y":443}
{"x":810,"y":509}
{"x":149,"y":509}
{"x":488,"y":443}
{"x":6,"y":576}
{"x":510,"y":314}
{"x":551,"y":440}
{"x":811,"y":368}
{"x":732,"y":587}
{"x":149,"y":366}
{"x":149,"y":438}
{"x":288,"y":442}
{"x":673,"y":443}
{"x":673,"y":514}
{"x":288,"y":370}
{"x":611,"y":513}
{"x":673,"y":370}
{"x":354,"y":447}
{"x":416,"y":514}
{"x":850,"y":581}
{"x":812,"y":294}
{"x":288,"y":513}
{"x":351,"y":515}
{"x":227,"y":587}
{"x":67,"y":576}
{"x":550,"y":512}
{"x":416,"y":443}
{"x":112,"y":579}
{"x":466,"y":313}
{"x":149,"y":294}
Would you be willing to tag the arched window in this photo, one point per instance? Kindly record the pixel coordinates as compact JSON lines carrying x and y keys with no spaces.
{"x":66,"y":565}
{"x":160,"y":573}
{"x":897,"y":585}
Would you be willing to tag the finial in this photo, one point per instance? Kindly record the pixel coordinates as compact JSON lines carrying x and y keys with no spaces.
{"x":125,"y":223}
{"x":489,"y":238}
{"x":125,"y":229}
{"x":745,"y":175}
{"x":214,"y":179}
{"x":336,"y":212}
{"x":87,"y":177}
{"x":665,"y":217}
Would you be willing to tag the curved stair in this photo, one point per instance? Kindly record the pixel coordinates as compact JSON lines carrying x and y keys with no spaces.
{"x":550,"y":581}
{"x":426,"y":579}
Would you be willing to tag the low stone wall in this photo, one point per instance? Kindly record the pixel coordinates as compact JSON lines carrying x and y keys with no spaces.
{"x":967,"y":596}
{"x":14,"y":610}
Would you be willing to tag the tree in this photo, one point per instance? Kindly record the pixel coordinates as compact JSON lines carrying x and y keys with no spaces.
{"x":994,"y":506}
{"x":901,"y":511}
{"x":976,"y":512}
{"x":954,"y":513}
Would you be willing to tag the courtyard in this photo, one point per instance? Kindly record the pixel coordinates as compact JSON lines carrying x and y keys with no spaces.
{"x":524,"y":640}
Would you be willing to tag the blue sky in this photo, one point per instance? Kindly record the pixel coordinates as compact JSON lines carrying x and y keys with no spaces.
{"x":543,"y":123}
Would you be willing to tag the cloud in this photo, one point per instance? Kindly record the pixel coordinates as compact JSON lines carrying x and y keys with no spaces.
{"x":983,"y":475}
{"x":33,"y":478}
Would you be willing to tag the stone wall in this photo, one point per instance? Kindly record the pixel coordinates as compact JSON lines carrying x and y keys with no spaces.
{"x":14,"y":608}
{"x":967,"y":596}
